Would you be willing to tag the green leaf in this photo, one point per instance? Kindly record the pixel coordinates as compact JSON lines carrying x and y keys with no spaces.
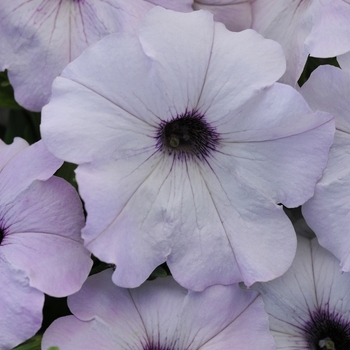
{"x":33,"y":343}
{"x":23,"y":123}
{"x":159,"y":271}
{"x":7,"y":98}
{"x":66,"y":171}
{"x":312,"y":63}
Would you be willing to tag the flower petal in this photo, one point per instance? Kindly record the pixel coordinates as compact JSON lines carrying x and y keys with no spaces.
{"x":288,"y":24}
{"x":38,"y":163}
{"x":160,"y":314}
{"x":327,"y":213}
{"x":247,"y":216}
{"x":234,"y":14}
{"x":178,"y":5}
{"x":20,"y":306}
{"x":231,"y":78}
{"x":289,"y":298}
{"x":43,"y":237}
{"x":9,"y":151}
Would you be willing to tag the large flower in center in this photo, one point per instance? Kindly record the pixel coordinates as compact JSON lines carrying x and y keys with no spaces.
{"x":185,"y":148}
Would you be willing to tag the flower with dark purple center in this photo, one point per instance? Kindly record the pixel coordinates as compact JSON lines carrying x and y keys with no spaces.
{"x":160,"y":315}
{"x":184,"y":150}
{"x":327,"y":330}
{"x":309,"y":306}
{"x":40,"y":221}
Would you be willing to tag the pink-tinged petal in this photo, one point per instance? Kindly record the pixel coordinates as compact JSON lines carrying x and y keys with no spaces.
{"x":42,"y":237}
{"x":41,"y":37}
{"x":9,"y":151}
{"x":235,"y":15}
{"x":160,"y":314}
{"x":227,"y":85}
{"x":20,"y":306}
{"x":178,"y":5}
{"x":38,"y":163}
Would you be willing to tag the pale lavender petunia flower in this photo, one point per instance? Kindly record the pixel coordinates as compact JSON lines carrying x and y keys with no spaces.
{"x":319,"y":28}
{"x":185,"y":149}
{"x":160,"y":315}
{"x":40,"y":37}
{"x":309,"y":306}
{"x":327,"y":213}
{"x":40,"y":246}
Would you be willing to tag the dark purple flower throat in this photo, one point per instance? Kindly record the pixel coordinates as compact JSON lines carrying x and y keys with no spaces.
{"x":187,"y":135}
{"x":327,"y":331}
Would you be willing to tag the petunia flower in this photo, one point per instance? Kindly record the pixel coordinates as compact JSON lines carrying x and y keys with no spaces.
{"x":327,"y":213}
{"x":40,"y":37}
{"x":319,"y":28}
{"x":40,"y":246}
{"x":186,"y":160}
{"x":309,"y":306}
{"x":160,"y":315}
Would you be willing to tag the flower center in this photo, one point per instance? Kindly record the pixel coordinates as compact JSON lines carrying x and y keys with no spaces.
{"x":188,"y":134}
{"x":157,"y":347}
{"x":327,"y":331}
{"x":2,"y":234}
